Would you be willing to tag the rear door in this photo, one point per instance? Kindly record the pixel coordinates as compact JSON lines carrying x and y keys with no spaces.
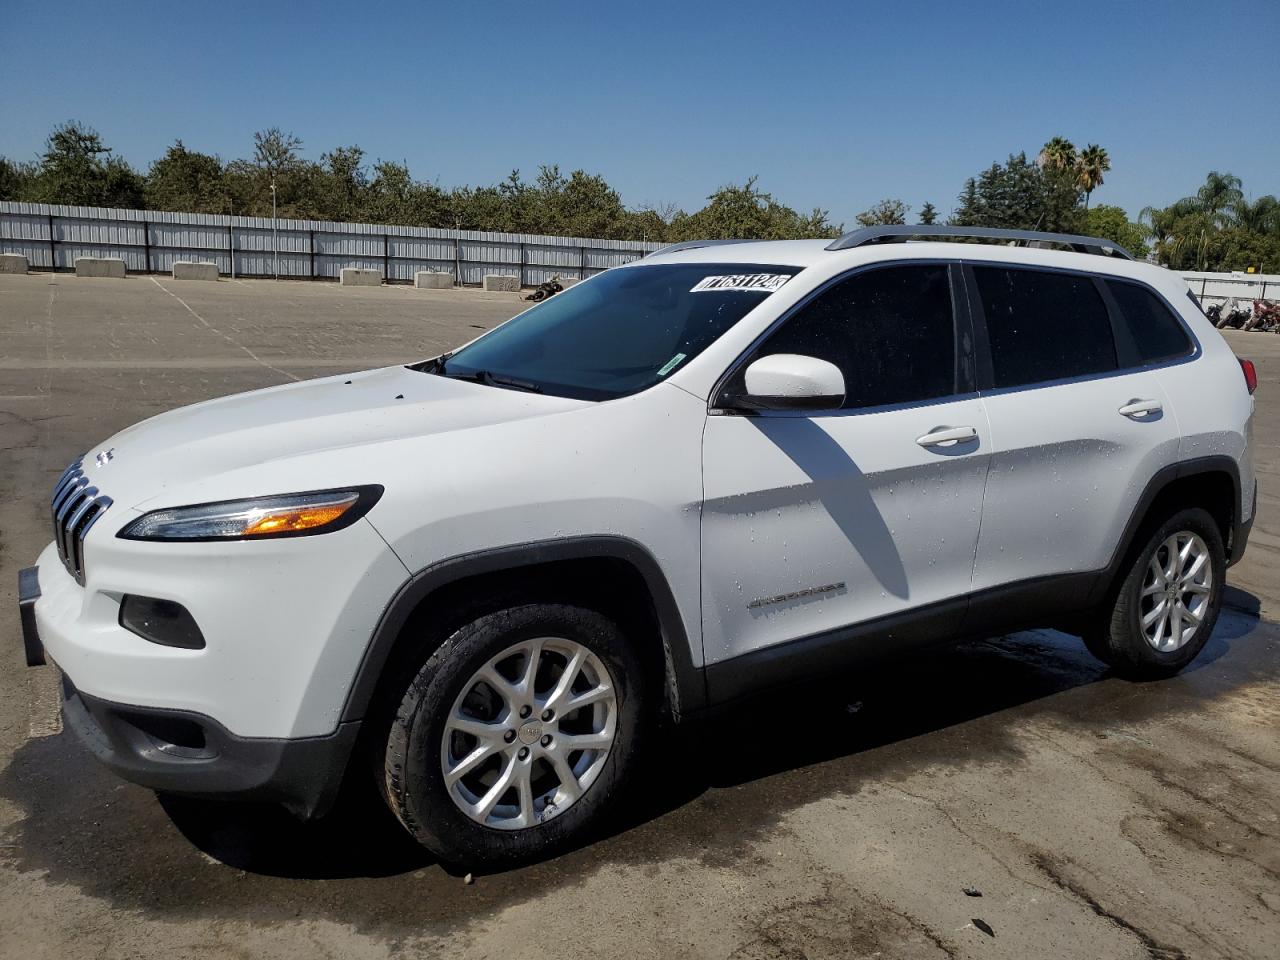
{"x":1078,"y":427}
{"x":816,"y":521}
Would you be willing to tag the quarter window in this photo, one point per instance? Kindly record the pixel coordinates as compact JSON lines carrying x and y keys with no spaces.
{"x":890,"y":331}
{"x":1155,"y":330}
{"x":1044,"y":326}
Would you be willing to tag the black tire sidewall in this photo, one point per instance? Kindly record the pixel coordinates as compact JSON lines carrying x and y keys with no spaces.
{"x":413,"y":773}
{"x":1129,"y":648}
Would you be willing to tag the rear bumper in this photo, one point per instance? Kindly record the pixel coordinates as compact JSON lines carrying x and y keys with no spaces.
{"x":180,"y":752}
{"x":1240,"y":535}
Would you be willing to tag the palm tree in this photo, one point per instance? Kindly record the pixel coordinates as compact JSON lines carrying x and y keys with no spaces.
{"x":1221,"y":192}
{"x":1260,"y":216}
{"x":1090,"y":167}
{"x":1058,"y":154}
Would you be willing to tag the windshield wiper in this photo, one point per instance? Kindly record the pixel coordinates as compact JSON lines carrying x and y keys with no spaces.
{"x":497,"y":380}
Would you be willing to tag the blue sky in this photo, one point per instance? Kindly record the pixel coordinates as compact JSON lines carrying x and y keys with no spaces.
{"x":832,"y":104}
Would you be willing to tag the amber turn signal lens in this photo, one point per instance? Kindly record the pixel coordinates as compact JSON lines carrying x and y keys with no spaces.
{"x":299,"y":518}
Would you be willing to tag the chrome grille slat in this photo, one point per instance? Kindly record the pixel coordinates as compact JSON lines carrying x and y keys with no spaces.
{"x":75,"y":507}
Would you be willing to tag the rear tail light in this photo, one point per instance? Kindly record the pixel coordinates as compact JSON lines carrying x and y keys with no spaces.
{"x":1250,"y":375}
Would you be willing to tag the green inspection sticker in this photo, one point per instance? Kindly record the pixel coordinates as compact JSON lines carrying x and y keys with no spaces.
{"x":671,"y":364}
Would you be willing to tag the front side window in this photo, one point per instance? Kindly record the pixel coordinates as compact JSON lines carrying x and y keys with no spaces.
{"x":1044,"y":326}
{"x":1155,"y":330}
{"x":890,"y":331}
{"x":623,"y":332}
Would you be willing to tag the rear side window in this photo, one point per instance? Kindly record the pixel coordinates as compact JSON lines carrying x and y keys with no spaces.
{"x":1044,"y":326}
{"x":890,"y":331}
{"x":1155,"y":330}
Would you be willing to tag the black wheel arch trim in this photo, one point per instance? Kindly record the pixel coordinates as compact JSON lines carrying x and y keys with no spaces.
{"x":1239,"y":530}
{"x":685,"y":682}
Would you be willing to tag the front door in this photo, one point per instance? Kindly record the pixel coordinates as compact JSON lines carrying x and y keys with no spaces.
{"x":813,"y":522}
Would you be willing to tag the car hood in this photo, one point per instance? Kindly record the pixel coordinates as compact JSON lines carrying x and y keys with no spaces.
{"x":155,"y":457}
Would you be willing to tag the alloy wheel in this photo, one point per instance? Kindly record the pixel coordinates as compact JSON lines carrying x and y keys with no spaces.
{"x":1176,"y":591}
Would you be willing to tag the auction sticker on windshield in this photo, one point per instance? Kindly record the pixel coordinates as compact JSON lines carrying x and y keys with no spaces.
{"x":757,"y":282}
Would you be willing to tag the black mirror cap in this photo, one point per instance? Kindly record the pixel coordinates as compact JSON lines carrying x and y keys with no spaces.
{"x":164,"y":622}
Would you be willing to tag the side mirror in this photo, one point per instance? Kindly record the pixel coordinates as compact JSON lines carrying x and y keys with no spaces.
{"x":788,"y":381}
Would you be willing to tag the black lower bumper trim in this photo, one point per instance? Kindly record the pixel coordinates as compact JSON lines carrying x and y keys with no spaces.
{"x":176,"y":751}
{"x":28,"y":594}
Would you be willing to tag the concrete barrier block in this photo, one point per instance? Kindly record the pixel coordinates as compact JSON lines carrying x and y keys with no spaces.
{"x":100,"y":267}
{"x":13,"y":263}
{"x":358,"y":277}
{"x":503,"y":284}
{"x":193,"y":270}
{"x":431,"y":280}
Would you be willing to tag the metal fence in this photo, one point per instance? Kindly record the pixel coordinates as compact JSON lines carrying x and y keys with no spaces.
{"x":149,"y":241}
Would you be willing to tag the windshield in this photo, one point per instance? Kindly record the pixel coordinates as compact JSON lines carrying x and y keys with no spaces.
{"x":621,"y":333}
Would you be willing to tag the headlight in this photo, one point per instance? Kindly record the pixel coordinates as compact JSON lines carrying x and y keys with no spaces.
{"x":287,"y":515}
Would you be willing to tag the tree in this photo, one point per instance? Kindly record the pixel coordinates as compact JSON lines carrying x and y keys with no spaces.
{"x":1112,"y":223}
{"x":885,"y":212}
{"x":928,"y":214}
{"x":1090,"y":167}
{"x":1059,"y":155}
{"x":17,"y":180}
{"x":1020,"y":195}
{"x":76,"y":168}
{"x":1216,"y":228}
{"x":185,"y":180}
{"x":747,"y":213}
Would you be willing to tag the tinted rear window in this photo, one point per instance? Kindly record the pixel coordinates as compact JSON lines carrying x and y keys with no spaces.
{"x":1044,"y":326}
{"x":1156,"y":331}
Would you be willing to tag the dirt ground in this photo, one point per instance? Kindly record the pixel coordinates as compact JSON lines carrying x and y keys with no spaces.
{"x":1096,"y":818}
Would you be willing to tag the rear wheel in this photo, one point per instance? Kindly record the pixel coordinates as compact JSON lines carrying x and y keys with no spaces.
{"x":513,"y":738}
{"x":1164,"y":610}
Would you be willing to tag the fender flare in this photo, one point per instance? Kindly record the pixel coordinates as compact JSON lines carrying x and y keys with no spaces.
{"x":686,"y":683}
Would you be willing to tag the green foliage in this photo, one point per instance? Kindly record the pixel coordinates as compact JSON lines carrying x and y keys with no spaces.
{"x":77,"y":169}
{"x":187,"y":181}
{"x":17,"y":180}
{"x":928,"y":214}
{"x":745,"y":212}
{"x":1112,"y":223}
{"x":885,"y":212}
{"x":1217,"y":229}
{"x":1020,"y":195}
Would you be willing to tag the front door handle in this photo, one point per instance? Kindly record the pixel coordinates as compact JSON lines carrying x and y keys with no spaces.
{"x":1141,"y":408}
{"x":947,"y":436}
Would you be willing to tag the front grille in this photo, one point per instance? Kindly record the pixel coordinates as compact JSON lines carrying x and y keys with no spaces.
{"x":76,"y":506}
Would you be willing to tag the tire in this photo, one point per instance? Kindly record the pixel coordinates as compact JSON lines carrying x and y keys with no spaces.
{"x":1120,"y":637}
{"x":541,"y":812}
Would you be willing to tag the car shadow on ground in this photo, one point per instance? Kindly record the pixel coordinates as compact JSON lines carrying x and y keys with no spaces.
{"x":848,"y":717}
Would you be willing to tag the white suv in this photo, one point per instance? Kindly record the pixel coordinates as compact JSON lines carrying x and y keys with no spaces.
{"x":725,"y":466}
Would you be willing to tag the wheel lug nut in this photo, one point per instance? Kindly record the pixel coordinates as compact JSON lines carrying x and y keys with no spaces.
{"x":509,"y":736}
{"x":525,"y":711}
{"x":547,"y":715}
{"x":546,"y":740}
{"x":524,"y":753}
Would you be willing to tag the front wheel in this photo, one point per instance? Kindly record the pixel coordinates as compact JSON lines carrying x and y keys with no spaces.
{"x":1162,"y":613}
{"x":513,"y":739}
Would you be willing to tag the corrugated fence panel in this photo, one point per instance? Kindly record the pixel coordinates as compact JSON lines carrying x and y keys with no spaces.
{"x":151,"y":240}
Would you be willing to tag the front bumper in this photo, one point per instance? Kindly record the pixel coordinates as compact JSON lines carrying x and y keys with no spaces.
{"x":175,"y":751}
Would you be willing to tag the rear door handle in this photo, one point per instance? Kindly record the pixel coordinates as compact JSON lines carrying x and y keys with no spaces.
{"x":947,"y":436}
{"x":1141,"y":408}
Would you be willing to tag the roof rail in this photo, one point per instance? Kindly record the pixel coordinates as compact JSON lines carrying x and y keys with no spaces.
{"x":693,"y":245}
{"x":900,"y":234}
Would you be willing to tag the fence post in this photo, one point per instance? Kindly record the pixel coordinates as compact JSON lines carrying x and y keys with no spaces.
{"x":311,"y":242}
{"x":386,"y":259}
{"x":146,"y":243}
{"x":231,"y":248}
{"x":457,"y":260}
{"x":582,"y":263}
{"x":53,"y":255}
{"x":522,"y":258}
